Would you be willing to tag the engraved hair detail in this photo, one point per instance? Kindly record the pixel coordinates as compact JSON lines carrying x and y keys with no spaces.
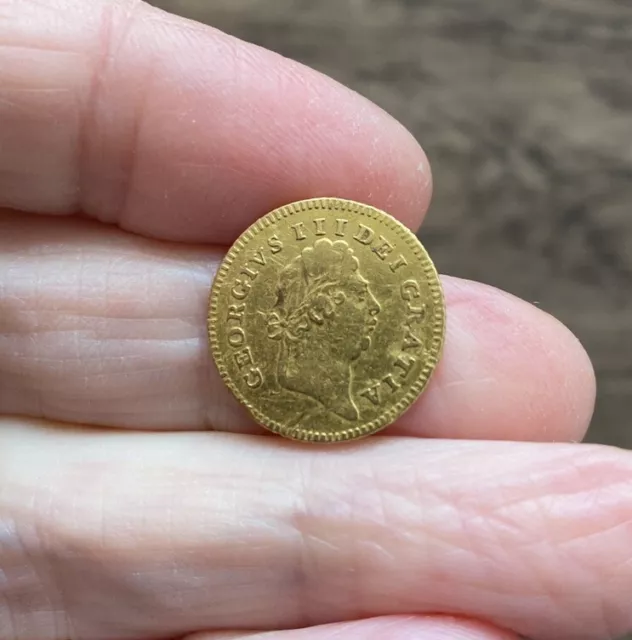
{"x":308,"y":290}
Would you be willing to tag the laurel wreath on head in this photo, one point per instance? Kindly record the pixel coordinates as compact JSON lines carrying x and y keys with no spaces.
{"x":319,"y":271}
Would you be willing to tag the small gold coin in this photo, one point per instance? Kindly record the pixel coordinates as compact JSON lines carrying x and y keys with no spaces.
{"x":326,"y":320}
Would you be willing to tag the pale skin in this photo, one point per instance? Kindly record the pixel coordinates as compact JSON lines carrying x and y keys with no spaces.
{"x":137,"y":500}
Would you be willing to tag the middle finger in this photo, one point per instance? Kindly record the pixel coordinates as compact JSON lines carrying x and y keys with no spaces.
{"x":101,"y":327}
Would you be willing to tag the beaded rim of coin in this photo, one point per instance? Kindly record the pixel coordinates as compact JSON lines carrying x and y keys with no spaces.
{"x":431,"y":358}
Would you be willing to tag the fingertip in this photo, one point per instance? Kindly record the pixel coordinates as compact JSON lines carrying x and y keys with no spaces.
{"x":509,"y":372}
{"x":556,"y":371}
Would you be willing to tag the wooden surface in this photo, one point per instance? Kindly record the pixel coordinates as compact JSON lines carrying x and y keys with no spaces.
{"x":525,"y":109}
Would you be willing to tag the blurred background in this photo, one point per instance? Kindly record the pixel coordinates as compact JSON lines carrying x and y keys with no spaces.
{"x":525,"y":110}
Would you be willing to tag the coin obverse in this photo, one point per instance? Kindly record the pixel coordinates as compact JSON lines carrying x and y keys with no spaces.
{"x":326,"y":320}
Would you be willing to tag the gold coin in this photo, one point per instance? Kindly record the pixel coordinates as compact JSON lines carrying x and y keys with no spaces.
{"x":326,"y":320}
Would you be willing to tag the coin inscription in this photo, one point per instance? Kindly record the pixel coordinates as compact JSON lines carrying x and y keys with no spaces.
{"x":326,"y":320}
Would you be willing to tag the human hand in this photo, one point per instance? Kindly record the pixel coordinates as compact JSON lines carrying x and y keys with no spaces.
{"x":162,"y":140}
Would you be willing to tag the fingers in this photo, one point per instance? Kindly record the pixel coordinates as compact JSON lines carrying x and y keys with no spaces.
{"x":387,"y":628}
{"x":174,"y":130}
{"x":164,"y":534}
{"x":98,"y":327}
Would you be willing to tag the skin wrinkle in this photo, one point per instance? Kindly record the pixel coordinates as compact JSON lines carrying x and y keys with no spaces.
{"x":57,"y":606}
{"x":615,"y":614}
{"x":113,"y":18}
{"x":41,"y":597}
{"x":570,"y":553}
{"x":305,"y":588}
{"x":550,"y":547}
{"x":44,"y":99}
{"x":464,"y":516}
{"x":189,"y":262}
{"x":24,"y":48}
{"x":123,"y":216}
{"x":442,"y":522}
{"x":119,"y":338}
{"x":4,"y":597}
{"x":325,"y":515}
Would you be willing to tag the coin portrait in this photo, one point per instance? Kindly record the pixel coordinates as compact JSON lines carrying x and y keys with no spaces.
{"x":326,"y":320}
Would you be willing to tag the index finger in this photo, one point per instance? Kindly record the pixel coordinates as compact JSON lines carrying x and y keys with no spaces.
{"x":174,"y":130}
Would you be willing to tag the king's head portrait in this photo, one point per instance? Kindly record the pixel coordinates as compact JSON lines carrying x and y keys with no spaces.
{"x":323,"y":317}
